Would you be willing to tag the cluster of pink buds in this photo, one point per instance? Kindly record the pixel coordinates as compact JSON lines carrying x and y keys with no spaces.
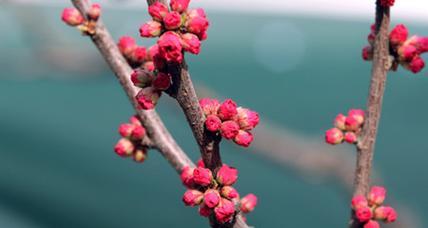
{"x":404,"y":51}
{"x":232,"y":122}
{"x":130,"y":144}
{"x":178,"y":28}
{"x":214,"y":192}
{"x":346,"y":128}
{"x":369,"y":209}
{"x":72,"y":17}
{"x":136,"y":55}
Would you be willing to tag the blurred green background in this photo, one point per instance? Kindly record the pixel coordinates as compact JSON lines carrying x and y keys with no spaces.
{"x":60,"y":108}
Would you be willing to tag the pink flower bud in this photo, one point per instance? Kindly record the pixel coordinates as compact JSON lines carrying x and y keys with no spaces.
{"x":352,"y":124}
{"x":179,"y":5}
{"x":358,"y":202}
{"x":243,"y":138}
{"x":371,"y":224}
{"x":416,"y":65}
{"x":227,"y":110}
{"x":200,"y":163}
{"x":72,"y":17}
{"x":358,"y":115}
{"x":227,"y":175}
{"x":172,"y":20}
{"x":213,"y":123}
{"x":247,"y":119}
{"x":126,"y":45}
{"x":134,"y":120}
{"x":197,"y":23}
{"x":392,"y":216}
{"x":376,"y":195}
{"x":158,"y":11}
{"x":162,"y":81}
{"x":138,"y":55}
{"x":398,"y":35}
{"x":138,"y":133}
{"x":229,"y":192}
{"x":158,"y":62}
{"x":339,"y":121}
{"x":363,"y":214}
{"x":204,"y":210}
{"x":209,"y":106}
{"x":186,"y":176}
{"x":407,"y":52}
{"x":381,"y":213}
{"x":125,"y":130}
{"x":229,"y":129}
{"x":211,"y":198}
{"x":95,"y":11}
{"x":202,"y":176}
{"x":142,"y":78}
{"x":140,"y":155}
{"x":421,"y":43}
{"x":372,"y":36}
{"x":351,"y":137}
{"x":248,"y":203}
{"x":170,"y":47}
{"x":367,"y":53}
{"x":334,"y":136}
{"x":147,"y":98}
{"x":192,"y":197}
{"x":191,"y":43}
{"x":150,"y":29}
{"x":124,"y":147}
{"x":153,"y":50}
{"x":225,"y":211}
{"x":149,"y":66}
{"x":387,"y":3}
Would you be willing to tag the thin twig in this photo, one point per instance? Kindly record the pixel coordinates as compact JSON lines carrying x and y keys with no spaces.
{"x":365,"y":147}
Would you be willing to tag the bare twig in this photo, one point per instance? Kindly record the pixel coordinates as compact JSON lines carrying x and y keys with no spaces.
{"x":365,"y":147}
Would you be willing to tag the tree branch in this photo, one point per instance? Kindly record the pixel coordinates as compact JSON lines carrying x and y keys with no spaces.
{"x":365,"y":147}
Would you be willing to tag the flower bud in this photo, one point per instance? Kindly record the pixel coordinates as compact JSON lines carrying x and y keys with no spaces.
{"x":126,"y":45}
{"x":225,"y":211}
{"x":363,"y":214}
{"x":229,"y":192}
{"x":72,"y":17}
{"x":186,"y":176}
{"x":367,"y":53}
{"x":126,"y":129}
{"x":191,"y":43}
{"x":134,"y":120}
{"x":351,"y":137}
{"x":371,"y":224}
{"x":407,"y":52}
{"x":209,"y":106}
{"x":376,"y":195}
{"x":248,"y":203}
{"x":192,"y":197}
{"x":202,"y":176}
{"x":197,"y":23}
{"x":387,"y":3}
{"x":372,"y":35}
{"x":94,"y":12}
{"x":147,"y":98}
{"x":170,"y":47}
{"x":172,"y":20}
{"x":247,"y":119}
{"x":204,"y":210}
{"x":227,"y":175}
{"x":124,"y":147}
{"x":211,"y":198}
{"x":140,"y":155}
{"x":213,"y":123}
{"x":200,"y":163}
{"x":243,"y":138}
{"x":392,"y":216}
{"x":138,"y":133}
{"x":358,"y":202}
{"x":334,"y":136}
{"x":339,"y":121}
{"x":229,"y":129}
{"x":142,"y":78}
{"x":150,"y":29}
{"x":416,"y":65}
{"x":398,"y":35}
{"x":352,"y":124}
{"x":358,"y":115}
{"x":158,"y":10}
{"x":162,"y":81}
{"x":149,"y":66}
{"x":179,"y":5}
{"x":381,"y":213}
{"x":227,"y":110}
{"x":420,"y":43}
{"x":138,"y":55}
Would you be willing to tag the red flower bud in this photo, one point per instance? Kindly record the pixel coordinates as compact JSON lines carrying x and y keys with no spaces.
{"x":351,"y":137}
{"x":150,"y":29}
{"x":138,"y":133}
{"x":126,"y":45}
{"x":213,"y":123}
{"x":363,"y":214}
{"x":202,"y":176}
{"x":95,"y":11}
{"x":247,"y":119}
{"x":135,"y":121}
{"x":142,"y":78}
{"x":407,"y":52}
{"x":200,"y":163}
{"x":172,"y":20}
{"x":229,"y":129}
{"x":398,"y":35}
{"x":334,"y":136}
{"x":227,"y":175}
{"x":158,"y":10}
{"x":140,"y":155}
{"x":376,"y":195}
{"x":421,"y":43}
{"x":192,"y":197}
{"x":367,"y":53}
{"x":124,"y":147}
{"x":243,"y":138}
{"x":392,"y":216}
{"x":162,"y":81}
{"x":72,"y":17}
{"x":371,"y":224}
{"x":339,"y":121}
{"x":416,"y":65}
{"x":352,"y":124}
{"x":211,"y":198}
{"x":204,"y":210}
{"x":227,"y":110}
{"x":209,"y":106}
{"x":138,"y":55}
{"x":387,"y":3}
{"x":125,"y":130}
{"x":358,"y":202}
{"x":229,"y":192}
{"x":357,"y":114}
{"x":170,"y":47}
{"x":248,"y":203}
{"x":186,"y":176}
{"x":225,"y":211}
{"x":149,"y":66}
{"x":191,"y":43}
{"x":179,"y":5}
{"x":197,"y":23}
{"x":148,"y":97}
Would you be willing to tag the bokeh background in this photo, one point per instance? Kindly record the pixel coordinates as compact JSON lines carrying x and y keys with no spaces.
{"x":297,"y":63}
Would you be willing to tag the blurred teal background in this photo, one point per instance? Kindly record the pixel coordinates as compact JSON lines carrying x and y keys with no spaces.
{"x":60,"y":108}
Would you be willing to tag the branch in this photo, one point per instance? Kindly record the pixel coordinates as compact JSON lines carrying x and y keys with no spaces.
{"x":365,"y":147}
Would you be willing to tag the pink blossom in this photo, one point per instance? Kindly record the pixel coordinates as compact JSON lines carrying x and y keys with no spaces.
{"x":339,"y":121}
{"x":248,"y":203}
{"x":247,"y":119}
{"x":192,"y":197}
{"x":229,"y":129}
{"x":72,"y":17}
{"x":398,"y":35}
{"x":227,"y":110}
{"x":162,"y":81}
{"x":125,"y":130}
{"x":138,"y":55}
{"x":158,"y":10}
{"x":358,"y":115}
{"x":376,"y":195}
{"x":229,"y":192}
{"x":204,"y":211}
{"x":392,"y":216}
{"x":126,"y":45}
{"x":135,"y":120}
{"x":213,"y":123}
{"x":363,"y":214}
{"x":142,"y":78}
{"x":150,"y":29}
{"x":225,"y":211}
{"x":172,"y":20}
{"x":124,"y":147}
{"x":200,"y":163}
{"x":371,"y":224}
{"x":179,"y":5}
{"x":147,"y":98}
{"x":197,"y":23}
{"x":351,"y":137}
{"x":186,"y":176}
{"x":209,"y":106}
{"x":407,"y":52}
{"x":202,"y":176}
{"x":227,"y":175}
{"x":352,"y":124}
{"x":416,"y":65}
{"x":95,"y":11}
{"x":243,"y":138}
{"x":358,"y":202}
{"x":149,"y":66}
{"x":138,"y":133}
{"x":211,"y":198}
{"x":334,"y":136}
{"x":191,"y":43}
{"x":170,"y":47}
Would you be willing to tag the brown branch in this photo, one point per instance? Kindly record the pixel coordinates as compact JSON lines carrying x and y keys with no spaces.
{"x":365,"y":147}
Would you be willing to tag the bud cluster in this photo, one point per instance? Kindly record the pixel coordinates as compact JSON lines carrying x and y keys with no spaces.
{"x":214,"y":194}
{"x":72,"y":17}
{"x":135,"y":55}
{"x":130,"y":144}
{"x":368,"y":210}
{"x":231,"y":122}
{"x":179,"y":30}
{"x":346,"y":128}
{"x":404,"y":51}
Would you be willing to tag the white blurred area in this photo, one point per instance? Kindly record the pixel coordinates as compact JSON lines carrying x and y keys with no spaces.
{"x":407,"y":10}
